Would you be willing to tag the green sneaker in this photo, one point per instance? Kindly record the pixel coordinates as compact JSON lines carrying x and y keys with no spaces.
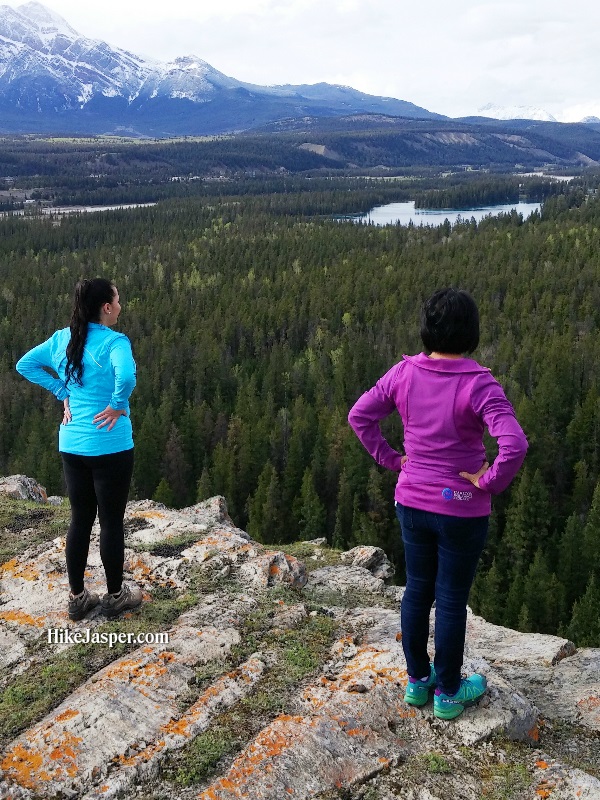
{"x":449,"y":706}
{"x":417,"y":692}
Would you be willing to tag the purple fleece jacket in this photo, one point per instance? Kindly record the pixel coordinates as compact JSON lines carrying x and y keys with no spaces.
{"x":445,"y":405}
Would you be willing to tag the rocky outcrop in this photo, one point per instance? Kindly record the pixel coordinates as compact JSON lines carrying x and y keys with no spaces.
{"x":21,"y":487}
{"x":248,"y":616}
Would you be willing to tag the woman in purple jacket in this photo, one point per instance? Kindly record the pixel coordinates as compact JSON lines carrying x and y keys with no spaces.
{"x":443,"y":494}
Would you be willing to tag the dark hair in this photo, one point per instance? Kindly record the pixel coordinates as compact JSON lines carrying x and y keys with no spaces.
{"x":450,"y":322}
{"x":90,"y":296}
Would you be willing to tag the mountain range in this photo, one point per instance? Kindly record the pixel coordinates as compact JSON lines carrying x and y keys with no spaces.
{"x":54,"y":79}
{"x":532,"y":113}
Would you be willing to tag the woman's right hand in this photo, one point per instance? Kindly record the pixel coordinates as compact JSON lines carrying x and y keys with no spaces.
{"x":474,"y":477}
{"x":108,"y":417}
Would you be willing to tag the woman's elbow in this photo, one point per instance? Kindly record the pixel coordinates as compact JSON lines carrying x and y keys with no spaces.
{"x":523,"y":445}
{"x":20,"y":366}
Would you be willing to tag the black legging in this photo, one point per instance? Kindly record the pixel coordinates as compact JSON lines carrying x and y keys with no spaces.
{"x":97,"y":483}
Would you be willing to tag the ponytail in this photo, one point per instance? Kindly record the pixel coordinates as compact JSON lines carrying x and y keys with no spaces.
{"x":90,"y":296}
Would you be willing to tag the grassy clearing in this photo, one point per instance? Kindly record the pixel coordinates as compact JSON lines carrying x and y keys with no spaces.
{"x":169,"y":548}
{"x":575,"y":746}
{"x":24,"y":523}
{"x":30,"y":696}
{"x":313,"y":556}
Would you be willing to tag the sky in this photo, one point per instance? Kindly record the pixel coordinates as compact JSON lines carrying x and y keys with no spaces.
{"x":449,"y":57}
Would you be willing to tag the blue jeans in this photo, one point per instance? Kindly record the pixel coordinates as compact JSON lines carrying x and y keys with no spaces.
{"x":441,"y":554}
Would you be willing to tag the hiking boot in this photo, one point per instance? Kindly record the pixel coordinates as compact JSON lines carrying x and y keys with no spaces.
{"x":79,"y":605}
{"x":417,"y":691}
{"x":129,"y":597}
{"x":449,"y":706}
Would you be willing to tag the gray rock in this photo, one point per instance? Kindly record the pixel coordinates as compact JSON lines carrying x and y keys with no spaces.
{"x":20,"y":487}
{"x":372,"y":558}
{"x":271,"y":568}
{"x":344,"y":580}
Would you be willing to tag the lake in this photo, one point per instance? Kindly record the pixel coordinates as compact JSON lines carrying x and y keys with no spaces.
{"x":403,"y":213}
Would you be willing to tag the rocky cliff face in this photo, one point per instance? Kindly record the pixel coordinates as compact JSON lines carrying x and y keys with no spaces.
{"x":282,"y":677}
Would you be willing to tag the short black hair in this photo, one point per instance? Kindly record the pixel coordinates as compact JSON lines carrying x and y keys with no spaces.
{"x":450,"y":322}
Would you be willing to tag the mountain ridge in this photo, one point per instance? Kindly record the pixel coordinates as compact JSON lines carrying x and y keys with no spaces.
{"x":53,"y":78}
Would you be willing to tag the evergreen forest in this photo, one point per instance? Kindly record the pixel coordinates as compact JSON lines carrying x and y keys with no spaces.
{"x":257,"y":319}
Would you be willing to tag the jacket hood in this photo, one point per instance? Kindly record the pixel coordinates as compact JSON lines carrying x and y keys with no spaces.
{"x":446,"y":365}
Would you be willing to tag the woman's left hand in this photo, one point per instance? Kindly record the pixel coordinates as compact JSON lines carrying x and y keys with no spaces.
{"x":474,"y":477}
{"x":109,"y":417}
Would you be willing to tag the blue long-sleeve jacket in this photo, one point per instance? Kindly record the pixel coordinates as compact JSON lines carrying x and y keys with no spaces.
{"x":108,"y":379}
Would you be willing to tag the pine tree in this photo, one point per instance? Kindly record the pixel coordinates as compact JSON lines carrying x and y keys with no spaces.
{"x":590,"y":550}
{"x":175,"y":468}
{"x":264,"y":518}
{"x":527,"y":520}
{"x":487,"y":596}
{"x":343,"y":515}
{"x":572,"y":568}
{"x":204,"y":488}
{"x":542,"y":597}
{"x":164,"y":494}
{"x":146,"y":472}
{"x":584,"y":628}
{"x":311,"y":513}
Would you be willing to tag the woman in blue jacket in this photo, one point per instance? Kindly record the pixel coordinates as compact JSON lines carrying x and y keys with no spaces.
{"x":96,"y":375}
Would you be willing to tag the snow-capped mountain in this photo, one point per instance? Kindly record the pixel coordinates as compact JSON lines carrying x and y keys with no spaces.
{"x":515,"y":112}
{"x":53,"y":78}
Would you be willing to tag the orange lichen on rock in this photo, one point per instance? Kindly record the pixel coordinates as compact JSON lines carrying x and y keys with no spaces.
{"x":544,"y":789}
{"x":144,"y":755}
{"x":21,"y":764}
{"x":589,"y":703}
{"x":139,"y":567}
{"x":28,"y":766}
{"x":541,"y":764}
{"x":365,"y":665}
{"x":183,"y":726}
{"x":22,"y":618}
{"x":68,"y":714}
{"x":269,"y":743}
{"x":405,"y":712}
{"x":138,"y":672}
{"x":179,"y":727}
{"x":149,"y":514}
{"x":25,"y":571}
{"x":534,"y":733}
